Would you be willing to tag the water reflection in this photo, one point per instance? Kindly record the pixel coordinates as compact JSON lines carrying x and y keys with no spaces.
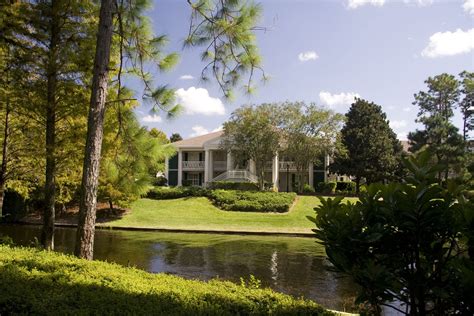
{"x":291,"y":265}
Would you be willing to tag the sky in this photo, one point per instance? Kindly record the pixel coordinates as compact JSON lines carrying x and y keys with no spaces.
{"x":326,"y":52}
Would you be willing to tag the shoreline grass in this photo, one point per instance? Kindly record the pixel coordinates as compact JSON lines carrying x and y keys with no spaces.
{"x":198,"y":213}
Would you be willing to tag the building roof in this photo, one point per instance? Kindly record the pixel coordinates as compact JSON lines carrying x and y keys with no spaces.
{"x":198,"y":141}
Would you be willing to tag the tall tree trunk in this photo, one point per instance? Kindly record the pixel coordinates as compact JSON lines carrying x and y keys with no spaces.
{"x":3,"y":170}
{"x":47,"y":235}
{"x":357,"y":185}
{"x":90,"y":176}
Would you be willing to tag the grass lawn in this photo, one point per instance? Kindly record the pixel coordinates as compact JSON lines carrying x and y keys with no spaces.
{"x":198,"y":213}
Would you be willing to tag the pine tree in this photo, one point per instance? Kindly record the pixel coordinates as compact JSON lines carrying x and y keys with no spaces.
{"x":436,"y":109}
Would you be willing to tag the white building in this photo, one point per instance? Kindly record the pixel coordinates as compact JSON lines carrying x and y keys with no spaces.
{"x":201,"y":160}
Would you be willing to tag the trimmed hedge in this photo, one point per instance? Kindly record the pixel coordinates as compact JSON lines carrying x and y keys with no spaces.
{"x":168,"y":193}
{"x":326,"y":187}
{"x":247,"y":201}
{"x":41,"y":283}
{"x":227,"y":185}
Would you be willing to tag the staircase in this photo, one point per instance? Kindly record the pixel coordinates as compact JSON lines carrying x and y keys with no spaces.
{"x":236,"y":176}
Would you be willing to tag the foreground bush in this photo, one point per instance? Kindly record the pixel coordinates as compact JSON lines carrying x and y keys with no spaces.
{"x":410,"y":242}
{"x":243,"y":201}
{"x":40,"y":282}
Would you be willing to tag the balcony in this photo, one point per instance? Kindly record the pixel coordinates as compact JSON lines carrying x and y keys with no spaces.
{"x":193,"y":165}
{"x":282,"y":166}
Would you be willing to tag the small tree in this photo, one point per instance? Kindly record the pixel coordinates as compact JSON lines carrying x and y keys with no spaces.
{"x":175,"y":137}
{"x":401,"y":242}
{"x":373,"y":151}
{"x":309,"y":133}
{"x":252,"y":133}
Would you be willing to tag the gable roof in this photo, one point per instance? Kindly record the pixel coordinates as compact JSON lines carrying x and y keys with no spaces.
{"x":198,"y":141}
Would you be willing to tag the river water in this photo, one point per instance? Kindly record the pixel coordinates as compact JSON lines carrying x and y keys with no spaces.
{"x":292,"y":265}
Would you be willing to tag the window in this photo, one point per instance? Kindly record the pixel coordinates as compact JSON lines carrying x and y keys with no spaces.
{"x":193,"y":178}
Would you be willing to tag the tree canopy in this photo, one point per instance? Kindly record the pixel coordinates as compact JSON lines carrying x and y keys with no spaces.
{"x":372,"y":150}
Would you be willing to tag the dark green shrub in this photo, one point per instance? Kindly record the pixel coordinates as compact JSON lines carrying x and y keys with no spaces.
{"x":393,"y":239}
{"x":168,"y":193}
{"x":227,"y":185}
{"x":43,"y":282}
{"x":326,"y":187}
{"x":251,"y":201}
{"x":346,"y":187}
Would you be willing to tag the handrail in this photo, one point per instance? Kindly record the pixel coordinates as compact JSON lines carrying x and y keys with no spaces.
{"x":236,"y":175}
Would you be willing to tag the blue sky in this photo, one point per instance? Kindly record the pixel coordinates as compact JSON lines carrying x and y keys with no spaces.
{"x":325,"y":51}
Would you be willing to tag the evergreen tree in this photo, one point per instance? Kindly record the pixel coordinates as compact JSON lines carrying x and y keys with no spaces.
{"x":372,"y":149}
{"x":467,"y":103}
{"x":436,"y":109}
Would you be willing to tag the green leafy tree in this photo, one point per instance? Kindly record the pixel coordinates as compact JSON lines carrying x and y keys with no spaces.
{"x":252,"y":133}
{"x":401,"y":242}
{"x":372,"y":149}
{"x":309,"y":134}
{"x":175,"y":137}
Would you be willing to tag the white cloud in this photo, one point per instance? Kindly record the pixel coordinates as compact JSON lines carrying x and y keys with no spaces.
{"x":420,"y":3}
{"x":309,"y":55}
{"x":152,"y":119}
{"x":469,"y":6}
{"x":398,"y":124}
{"x":186,"y":77}
{"x":197,"y":101}
{"x":341,"y":99}
{"x":217,"y":129}
{"x":354,"y":4}
{"x":407,"y":109}
{"x":449,"y":43}
{"x":198,"y":130}
{"x":402,"y":136}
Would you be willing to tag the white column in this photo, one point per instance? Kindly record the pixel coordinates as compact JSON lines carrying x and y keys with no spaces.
{"x":180,"y":168}
{"x":252,"y":167}
{"x":206,"y":167}
{"x":211,"y":165}
{"x":326,"y":164}
{"x":230,"y":162}
{"x":167,"y":173}
{"x":310,"y":174}
{"x":275,"y":172}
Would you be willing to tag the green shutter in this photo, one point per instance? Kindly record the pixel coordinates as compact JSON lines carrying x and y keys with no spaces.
{"x":173,"y":163}
{"x":172,"y":178}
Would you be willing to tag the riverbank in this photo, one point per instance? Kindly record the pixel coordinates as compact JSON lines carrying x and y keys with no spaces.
{"x":198,"y":214}
{"x":40,"y":282}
